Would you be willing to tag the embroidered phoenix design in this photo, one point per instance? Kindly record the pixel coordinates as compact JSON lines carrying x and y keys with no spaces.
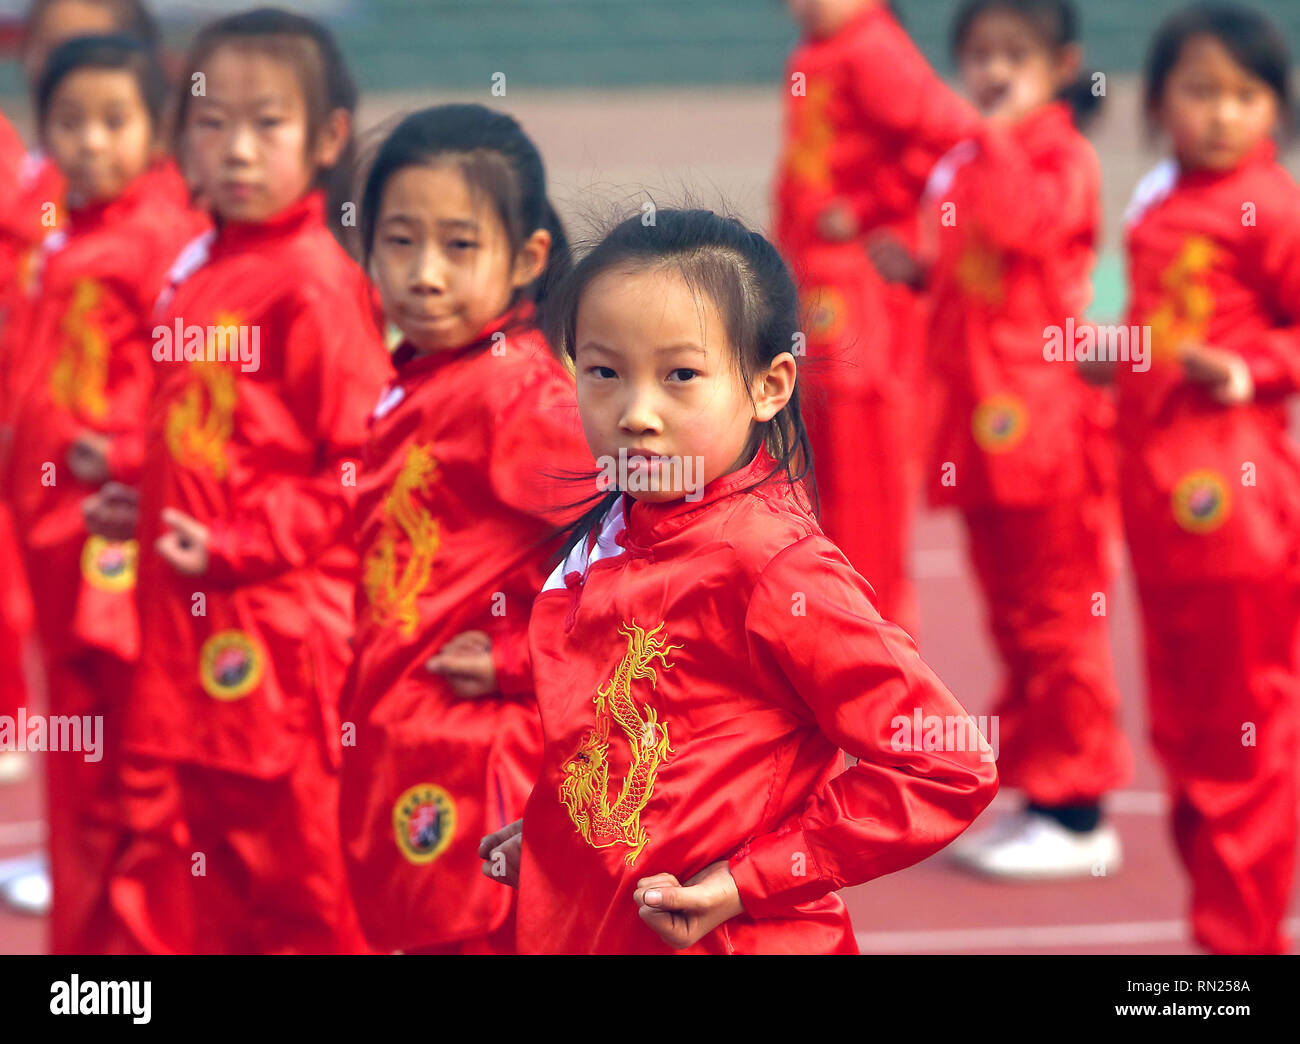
{"x":201,"y":421}
{"x":585,"y":788}
{"x":392,"y":596}
{"x":81,"y":373}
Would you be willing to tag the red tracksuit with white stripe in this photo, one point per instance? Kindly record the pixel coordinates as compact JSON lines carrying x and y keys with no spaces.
{"x":699,"y":668}
{"x":1211,"y":498}
{"x":1021,"y":442}
{"x":85,"y":366}
{"x":458,"y":519}
{"x":241,"y":668}
{"x":866,"y":119}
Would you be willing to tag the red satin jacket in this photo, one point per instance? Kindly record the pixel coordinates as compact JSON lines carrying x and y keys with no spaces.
{"x":83,"y":363}
{"x":240,"y":666}
{"x":1015,"y":215}
{"x":698,"y":674}
{"x":458,"y":518}
{"x":1213,"y":492}
{"x":865,"y":120}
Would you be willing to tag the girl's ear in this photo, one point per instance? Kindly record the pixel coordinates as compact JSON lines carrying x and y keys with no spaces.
{"x":530,"y":261}
{"x":332,"y":138}
{"x":773,"y":387}
{"x":1069,"y":64}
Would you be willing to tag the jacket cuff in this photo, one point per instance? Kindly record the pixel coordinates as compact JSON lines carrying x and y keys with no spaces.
{"x":512,"y":662}
{"x":776,"y":872}
{"x":125,"y":457}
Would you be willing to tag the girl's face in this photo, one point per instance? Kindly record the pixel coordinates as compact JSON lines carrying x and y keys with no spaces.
{"x":821,"y":18}
{"x":657,"y":377}
{"x":98,"y":133}
{"x":59,"y":22}
{"x":1006,"y":68}
{"x":1214,"y":110}
{"x":442,"y":258}
{"x":246,"y":142}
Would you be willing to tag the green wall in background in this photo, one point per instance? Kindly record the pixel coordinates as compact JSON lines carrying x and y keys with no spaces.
{"x":459,"y":44}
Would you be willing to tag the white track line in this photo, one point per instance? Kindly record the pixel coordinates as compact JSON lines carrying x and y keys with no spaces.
{"x":1051,"y":937}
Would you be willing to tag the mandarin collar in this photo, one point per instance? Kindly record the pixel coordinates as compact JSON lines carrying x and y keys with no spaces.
{"x":409,"y":361}
{"x":1263,"y":153}
{"x":241,"y":235}
{"x":150,"y":184}
{"x":650,"y":521}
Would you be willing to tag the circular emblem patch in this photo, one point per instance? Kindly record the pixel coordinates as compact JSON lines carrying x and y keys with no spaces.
{"x":424,"y":821}
{"x":109,"y":564}
{"x":1201,"y":501}
{"x":825,"y":312}
{"x":998,"y":423}
{"x":230,"y":665}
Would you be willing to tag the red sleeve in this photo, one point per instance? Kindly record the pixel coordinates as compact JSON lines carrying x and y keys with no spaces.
{"x":1274,"y":357}
{"x":126,"y":457}
{"x":1030,"y":205}
{"x":511,"y":660}
{"x":539,"y":464}
{"x":896,"y":88}
{"x":335,"y":368}
{"x":858,"y":675}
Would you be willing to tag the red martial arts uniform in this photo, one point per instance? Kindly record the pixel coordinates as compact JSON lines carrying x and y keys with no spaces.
{"x":462,"y":497}
{"x":697,"y":682}
{"x":866,"y":119}
{"x":1020,"y":442}
{"x":82,"y":365}
{"x":27,"y":181}
{"x":241,"y":668}
{"x":1211,"y":498}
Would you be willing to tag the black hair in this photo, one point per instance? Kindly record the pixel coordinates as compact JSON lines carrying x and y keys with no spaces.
{"x":495,"y":157}
{"x":104,"y":52}
{"x":314,"y":54}
{"x":1254,"y":42}
{"x":749,"y":284}
{"x":129,"y":16}
{"x":1056,"y":22}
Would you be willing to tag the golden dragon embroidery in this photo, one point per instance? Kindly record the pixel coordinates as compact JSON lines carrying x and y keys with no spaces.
{"x":585,"y":788}
{"x":1188,"y":303}
{"x":392,"y":597}
{"x":201,"y":421}
{"x":80,"y":376}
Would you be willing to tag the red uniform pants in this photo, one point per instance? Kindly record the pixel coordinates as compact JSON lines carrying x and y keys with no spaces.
{"x":1041,"y":570}
{"x":272,"y":877}
{"x":866,"y":453}
{"x":1223,"y":670}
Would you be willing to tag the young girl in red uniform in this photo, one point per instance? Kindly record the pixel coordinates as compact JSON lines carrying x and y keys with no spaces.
{"x":1020,"y":438}
{"x":31,"y":193}
{"x":1210,"y":481}
{"x":866,"y":119}
{"x":456,"y":517}
{"x":268,"y":359}
{"x":703,"y":653}
{"x":81,"y":384}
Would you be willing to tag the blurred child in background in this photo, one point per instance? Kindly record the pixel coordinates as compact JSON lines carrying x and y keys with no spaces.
{"x":80,"y":380}
{"x":270,"y":361}
{"x":703,"y":653}
{"x":1210,"y":479}
{"x":457,"y":516}
{"x":1020,"y":441}
{"x":31,"y":201}
{"x":866,"y":119}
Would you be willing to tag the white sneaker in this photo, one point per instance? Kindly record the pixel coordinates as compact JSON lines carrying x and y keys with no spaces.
{"x":15,"y":766}
{"x":1036,"y":846}
{"x":972,"y":841}
{"x":25,"y":885}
